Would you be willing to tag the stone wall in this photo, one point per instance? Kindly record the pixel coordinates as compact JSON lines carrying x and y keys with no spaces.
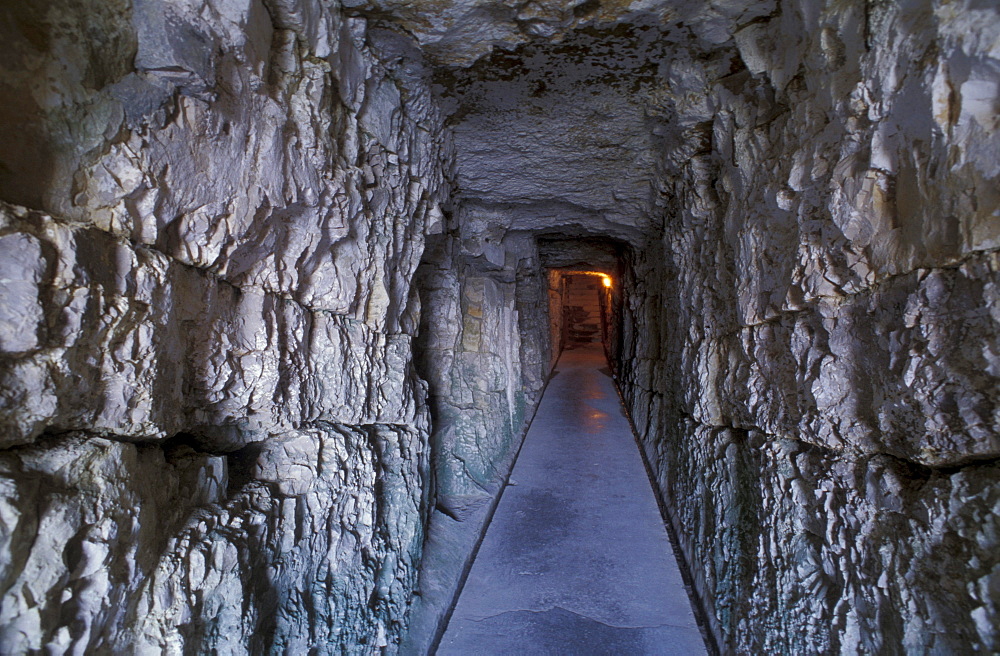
{"x":811,"y":350}
{"x":483,"y":349}
{"x":215,"y":437}
{"x":485,"y":363}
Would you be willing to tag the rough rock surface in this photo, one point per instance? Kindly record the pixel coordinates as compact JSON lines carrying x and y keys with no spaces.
{"x":555,"y":138}
{"x":288,"y":547}
{"x":811,"y":350}
{"x":216,"y":436}
{"x":460,"y":32}
{"x":277,"y":283}
{"x":484,"y":351}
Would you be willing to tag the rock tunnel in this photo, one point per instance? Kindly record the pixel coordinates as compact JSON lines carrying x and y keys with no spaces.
{"x":282,"y":283}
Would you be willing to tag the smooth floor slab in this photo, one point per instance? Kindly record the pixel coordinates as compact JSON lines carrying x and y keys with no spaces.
{"x":576,"y":559}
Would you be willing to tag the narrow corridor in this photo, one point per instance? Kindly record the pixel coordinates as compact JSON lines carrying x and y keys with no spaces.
{"x":576,"y":559}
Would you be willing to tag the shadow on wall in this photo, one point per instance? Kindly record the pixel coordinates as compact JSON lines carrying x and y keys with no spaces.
{"x":56,"y":109}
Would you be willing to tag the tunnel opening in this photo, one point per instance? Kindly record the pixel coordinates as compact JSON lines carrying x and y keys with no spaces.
{"x":586,"y":291}
{"x":580,"y":311}
{"x":498,"y":307}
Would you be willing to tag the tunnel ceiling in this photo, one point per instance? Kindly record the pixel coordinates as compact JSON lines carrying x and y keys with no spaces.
{"x":560,"y":110}
{"x":457,"y":33}
{"x":593,"y":254}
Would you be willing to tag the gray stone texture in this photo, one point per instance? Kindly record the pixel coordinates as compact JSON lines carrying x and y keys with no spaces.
{"x":131,"y":548}
{"x":483,"y":349}
{"x":275,"y":301}
{"x":810,"y":351}
{"x":215,"y":436}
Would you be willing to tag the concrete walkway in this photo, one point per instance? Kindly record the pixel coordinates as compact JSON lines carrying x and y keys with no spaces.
{"x":576,"y":560}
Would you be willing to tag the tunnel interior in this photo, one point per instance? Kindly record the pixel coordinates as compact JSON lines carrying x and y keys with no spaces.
{"x":282,"y":283}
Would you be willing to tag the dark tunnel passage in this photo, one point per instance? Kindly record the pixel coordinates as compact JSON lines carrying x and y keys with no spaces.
{"x":578,"y":450}
{"x":284,"y":284}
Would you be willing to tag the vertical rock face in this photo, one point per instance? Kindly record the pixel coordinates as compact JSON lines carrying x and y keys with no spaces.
{"x":215,"y":435}
{"x":289,"y":547}
{"x":484,"y":371}
{"x":811,"y":352}
{"x":484,"y":352}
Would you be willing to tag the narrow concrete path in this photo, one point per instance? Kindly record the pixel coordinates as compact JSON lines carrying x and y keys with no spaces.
{"x":576,"y":560}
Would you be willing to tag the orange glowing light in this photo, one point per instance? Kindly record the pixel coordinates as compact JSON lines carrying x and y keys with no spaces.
{"x":607,"y":281}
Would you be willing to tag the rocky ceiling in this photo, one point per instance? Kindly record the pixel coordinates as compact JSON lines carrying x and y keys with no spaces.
{"x":560,"y":109}
{"x":459,"y":32}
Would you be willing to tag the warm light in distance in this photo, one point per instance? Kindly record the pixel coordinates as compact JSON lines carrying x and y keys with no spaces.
{"x":607,"y":281}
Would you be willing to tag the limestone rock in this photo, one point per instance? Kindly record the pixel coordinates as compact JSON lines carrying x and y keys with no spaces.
{"x":810,"y":351}
{"x":288,"y":545}
{"x":180,"y":350}
{"x":206,"y":328}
